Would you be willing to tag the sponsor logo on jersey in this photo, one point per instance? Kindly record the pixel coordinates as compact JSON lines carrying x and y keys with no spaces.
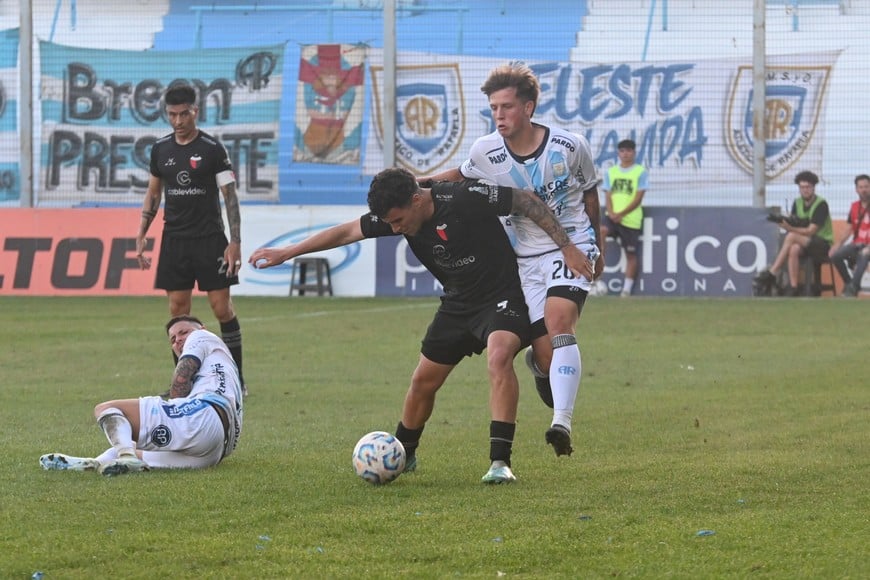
{"x":194,"y":161}
{"x":445,"y":259}
{"x":490,"y":190}
{"x":496,"y":159}
{"x":563,"y":142}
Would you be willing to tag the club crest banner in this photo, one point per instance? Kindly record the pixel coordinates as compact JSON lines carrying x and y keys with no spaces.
{"x":430,"y":114}
{"x":691,"y":119}
{"x":329,"y":104}
{"x":101,"y":114}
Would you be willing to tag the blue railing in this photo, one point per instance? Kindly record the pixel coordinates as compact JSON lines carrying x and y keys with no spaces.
{"x":792,"y":5}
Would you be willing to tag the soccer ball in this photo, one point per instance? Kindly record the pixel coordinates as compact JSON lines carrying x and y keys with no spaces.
{"x":378,"y":457}
{"x":598,"y":288}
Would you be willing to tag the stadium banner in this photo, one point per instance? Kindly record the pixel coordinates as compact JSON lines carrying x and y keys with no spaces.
{"x":10,"y":146}
{"x":351,"y":267}
{"x":73,"y":252}
{"x":329,"y":104}
{"x":692,"y":252}
{"x":102,"y":110}
{"x":92,"y":251}
{"x":692,"y":119}
{"x":698,"y":252}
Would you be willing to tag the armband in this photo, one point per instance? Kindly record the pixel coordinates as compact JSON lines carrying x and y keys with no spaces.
{"x":225,"y":178}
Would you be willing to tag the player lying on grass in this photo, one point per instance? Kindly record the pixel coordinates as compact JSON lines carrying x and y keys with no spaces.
{"x":196,"y":427}
{"x":455,"y":231}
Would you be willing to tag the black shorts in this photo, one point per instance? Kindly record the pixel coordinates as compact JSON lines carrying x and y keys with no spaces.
{"x":817,"y":249}
{"x":453,"y":336}
{"x":629,"y":238}
{"x":184,"y":261}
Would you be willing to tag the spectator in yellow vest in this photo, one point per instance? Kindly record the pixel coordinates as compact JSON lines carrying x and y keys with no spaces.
{"x":808,"y":231}
{"x":624,"y":185}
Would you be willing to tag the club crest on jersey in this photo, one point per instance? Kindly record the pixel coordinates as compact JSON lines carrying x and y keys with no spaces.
{"x":430,"y":115}
{"x":794,"y":98}
{"x":195,"y":160}
{"x":441,"y":231}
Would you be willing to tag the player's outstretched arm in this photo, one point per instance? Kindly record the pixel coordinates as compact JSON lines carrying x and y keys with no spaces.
{"x":340,"y":235}
{"x":527,"y":203}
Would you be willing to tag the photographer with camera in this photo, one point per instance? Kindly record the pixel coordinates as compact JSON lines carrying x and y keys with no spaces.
{"x":809,"y":231}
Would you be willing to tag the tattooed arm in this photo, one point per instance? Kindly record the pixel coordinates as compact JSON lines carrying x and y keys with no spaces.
{"x":527,"y":203}
{"x":150,"y":205}
{"x":182,"y":380}
{"x":233,"y":252}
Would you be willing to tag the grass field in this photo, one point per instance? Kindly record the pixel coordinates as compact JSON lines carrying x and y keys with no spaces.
{"x":748,"y":418}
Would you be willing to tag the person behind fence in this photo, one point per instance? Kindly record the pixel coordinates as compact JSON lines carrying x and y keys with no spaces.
{"x":624,"y":185}
{"x":198,"y":426}
{"x":857,"y":250}
{"x":808,"y":231}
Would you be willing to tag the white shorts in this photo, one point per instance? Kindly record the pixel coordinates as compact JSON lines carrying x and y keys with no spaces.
{"x":540,"y":273}
{"x":179,"y":433}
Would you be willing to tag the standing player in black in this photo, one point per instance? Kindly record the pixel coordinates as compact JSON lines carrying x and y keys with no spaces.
{"x":193,"y":169}
{"x":455,"y":231}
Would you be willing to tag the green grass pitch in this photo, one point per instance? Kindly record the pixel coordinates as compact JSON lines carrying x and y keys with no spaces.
{"x":748,"y":418}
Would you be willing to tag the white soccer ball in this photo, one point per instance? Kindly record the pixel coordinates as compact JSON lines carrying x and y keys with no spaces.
{"x":379,"y":457}
{"x":598,"y":288}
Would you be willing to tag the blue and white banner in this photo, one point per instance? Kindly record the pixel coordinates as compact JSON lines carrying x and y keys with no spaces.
{"x":10,"y":174}
{"x":691,"y":119}
{"x":102,"y":110}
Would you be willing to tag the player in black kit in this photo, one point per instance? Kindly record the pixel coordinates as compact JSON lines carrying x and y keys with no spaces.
{"x":455,"y":231}
{"x":193,"y":169}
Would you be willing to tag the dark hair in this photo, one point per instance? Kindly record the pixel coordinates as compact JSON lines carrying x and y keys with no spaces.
{"x":513,"y":75}
{"x":807,"y":176}
{"x":626,"y":144}
{"x":182,"y":318}
{"x":861,"y":177}
{"x":391,"y":188}
{"x":180,"y":95}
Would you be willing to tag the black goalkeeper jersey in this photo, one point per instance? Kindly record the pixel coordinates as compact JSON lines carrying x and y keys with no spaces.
{"x":464,"y":244}
{"x":192,"y":205}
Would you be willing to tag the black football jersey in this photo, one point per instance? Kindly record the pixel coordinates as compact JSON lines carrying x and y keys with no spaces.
{"x":192,"y":206}
{"x":464,"y":244}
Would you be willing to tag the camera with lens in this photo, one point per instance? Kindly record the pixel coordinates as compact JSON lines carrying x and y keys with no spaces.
{"x":791,"y":220}
{"x":775,"y":217}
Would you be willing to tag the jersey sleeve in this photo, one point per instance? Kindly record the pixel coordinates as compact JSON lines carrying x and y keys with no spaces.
{"x":583,"y":166}
{"x":372,"y":227}
{"x":198,"y":345}
{"x":477,"y":197}
{"x":487,"y":159}
{"x":821,"y":215}
{"x":643,"y":180}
